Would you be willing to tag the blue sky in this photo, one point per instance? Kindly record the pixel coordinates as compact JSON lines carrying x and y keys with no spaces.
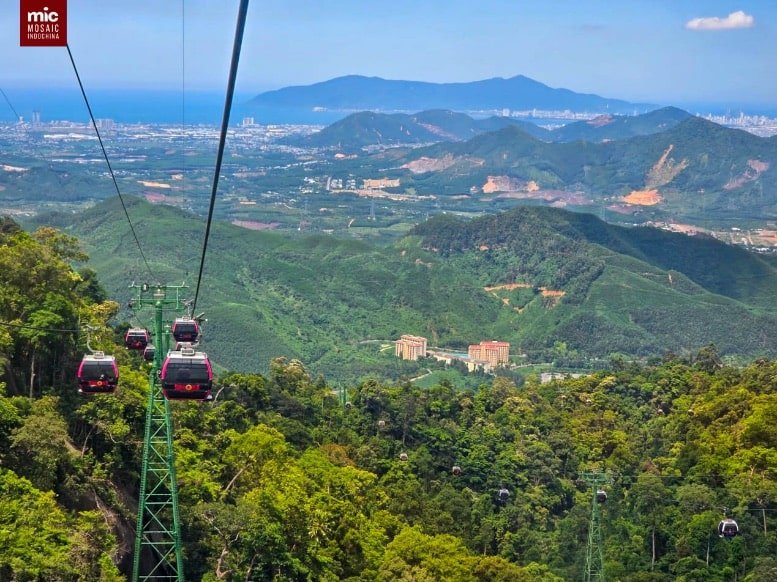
{"x":641,"y":50}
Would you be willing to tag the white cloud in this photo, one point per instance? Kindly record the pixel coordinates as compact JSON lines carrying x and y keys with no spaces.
{"x":736,"y":19}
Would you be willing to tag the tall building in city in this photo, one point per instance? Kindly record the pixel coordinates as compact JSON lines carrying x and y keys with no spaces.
{"x":410,"y":347}
{"x":493,"y":352}
{"x":35,"y":118}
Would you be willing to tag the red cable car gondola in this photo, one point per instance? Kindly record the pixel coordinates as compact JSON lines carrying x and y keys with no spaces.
{"x":149,"y":352}
{"x":186,"y":375}
{"x":97,"y":374}
{"x":136,"y":338}
{"x":185,"y":330}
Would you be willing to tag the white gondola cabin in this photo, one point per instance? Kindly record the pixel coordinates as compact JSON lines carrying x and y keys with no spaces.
{"x":728,"y":528}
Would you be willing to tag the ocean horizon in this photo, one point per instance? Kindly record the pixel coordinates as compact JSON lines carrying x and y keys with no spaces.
{"x":148,"y":106}
{"x":206,"y":107}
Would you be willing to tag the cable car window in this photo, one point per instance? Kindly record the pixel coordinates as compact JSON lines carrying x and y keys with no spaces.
{"x":192,"y":372}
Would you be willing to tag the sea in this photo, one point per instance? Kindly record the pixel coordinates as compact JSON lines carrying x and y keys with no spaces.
{"x":148,"y":106}
{"x":206,"y":107}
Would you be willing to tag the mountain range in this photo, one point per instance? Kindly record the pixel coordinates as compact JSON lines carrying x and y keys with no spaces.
{"x":358,"y":93}
{"x":537,"y":277}
{"x":695,"y":168}
{"x":369,"y":128}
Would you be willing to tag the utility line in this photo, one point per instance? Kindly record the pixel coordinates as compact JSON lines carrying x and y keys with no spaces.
{"x":183,"y":97}
{"x":23,"y":326}
{"x":107,"y":161}
{"x":241,"y":21}
{"x":7,"y":100}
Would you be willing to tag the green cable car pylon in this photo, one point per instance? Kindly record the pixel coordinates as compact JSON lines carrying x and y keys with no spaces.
{"x":158,"y":550}
{"x":594,"y":556}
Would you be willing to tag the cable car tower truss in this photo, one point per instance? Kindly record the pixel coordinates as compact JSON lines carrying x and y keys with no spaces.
{"x":594,"y":558}
{"x":158,"y":550}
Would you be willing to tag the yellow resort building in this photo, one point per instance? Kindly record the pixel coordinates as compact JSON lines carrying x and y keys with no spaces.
{"x":492,"y":351}
{"x":410,"y":347}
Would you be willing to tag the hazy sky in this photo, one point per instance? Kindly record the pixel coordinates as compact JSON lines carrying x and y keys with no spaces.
{"x":647,"y":50}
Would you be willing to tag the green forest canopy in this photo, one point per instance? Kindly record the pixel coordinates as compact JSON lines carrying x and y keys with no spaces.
{"x":278,"y":481}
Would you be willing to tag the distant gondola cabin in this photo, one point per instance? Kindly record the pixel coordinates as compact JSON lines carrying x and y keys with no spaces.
{"x":136,"y":338}
{"x":186,"y":375}
{"x":728,"y":528}
{"x":185,"y":330}
{"x":149,"y":352}
{"x":601,"y":496}
{"x":97,"y":374}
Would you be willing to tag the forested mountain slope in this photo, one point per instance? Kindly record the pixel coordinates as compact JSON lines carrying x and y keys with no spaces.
{"x":597,"y":288}
{"x":278,"y":480}
{"x":695,"y":168}
{"x":370,"y":128}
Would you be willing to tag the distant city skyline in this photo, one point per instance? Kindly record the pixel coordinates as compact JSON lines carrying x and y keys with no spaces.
{"x":661,"y":51}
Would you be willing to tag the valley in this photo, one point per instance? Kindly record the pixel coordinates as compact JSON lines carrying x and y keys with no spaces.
{"x":563,"y":288}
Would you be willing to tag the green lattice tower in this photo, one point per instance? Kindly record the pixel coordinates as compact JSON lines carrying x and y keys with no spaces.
{"x":594,"y":556}
{"x":158,"y":552}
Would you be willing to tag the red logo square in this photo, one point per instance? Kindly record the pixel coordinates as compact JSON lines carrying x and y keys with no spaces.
{"x":43,"y":22}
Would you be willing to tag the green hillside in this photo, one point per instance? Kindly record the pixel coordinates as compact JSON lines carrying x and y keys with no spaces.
{"x":278,"y":480}
{"x":615,"y":127}
{"x":631,"y":290}
{"x":369,"y":128}
{"x":695,"y":169}
{"x":333,"y":303}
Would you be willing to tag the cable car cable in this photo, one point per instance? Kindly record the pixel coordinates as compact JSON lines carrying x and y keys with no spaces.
{"x":241,"y":21}
{"x":107,"y":161}
{"x":23,"y":326}
{"x":7,"y":100}
{"x":183,"y":97}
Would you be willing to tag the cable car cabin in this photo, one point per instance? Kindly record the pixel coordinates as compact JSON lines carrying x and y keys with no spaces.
{"x":728,"y":528}
{"x":97,"y":374}
{"x":136,"y":338}
{"x":186,"y":375}
{"x":149,"y":352}
{"x":504,"y":494}
{"x":185,"y":330}
{"x":601,"y":496}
